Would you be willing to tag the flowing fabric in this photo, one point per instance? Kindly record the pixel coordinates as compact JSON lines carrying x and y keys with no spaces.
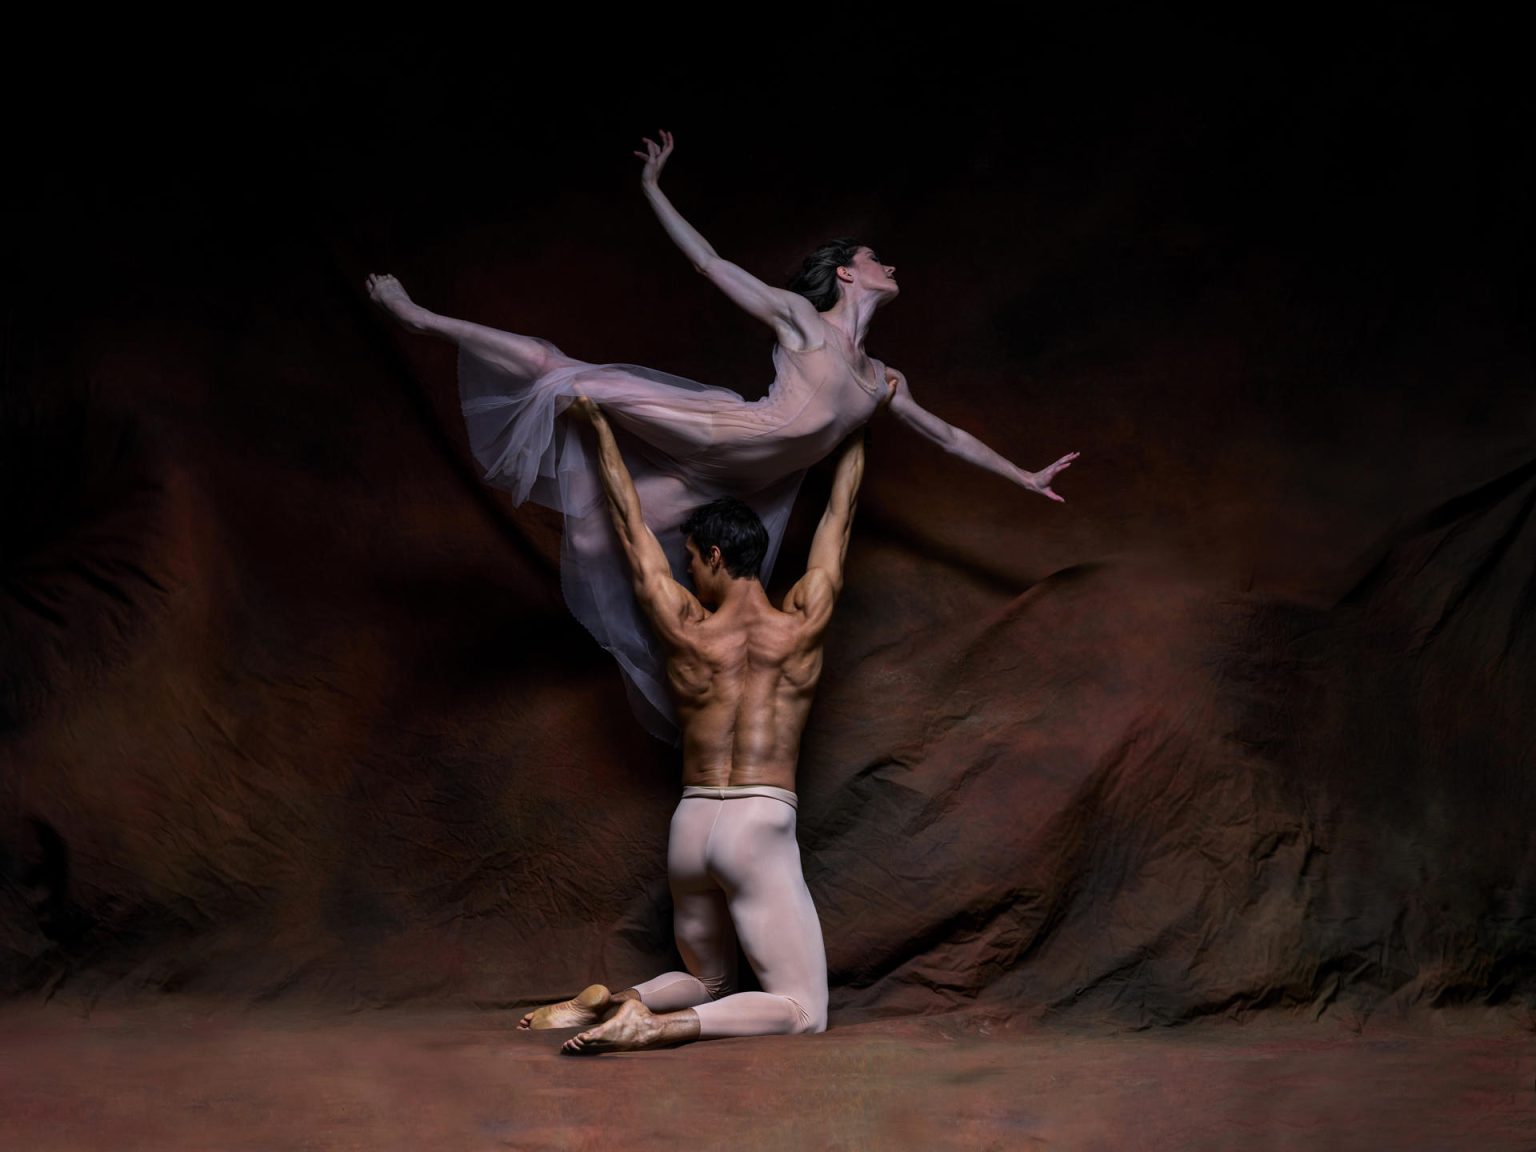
{"x":685,"y":444}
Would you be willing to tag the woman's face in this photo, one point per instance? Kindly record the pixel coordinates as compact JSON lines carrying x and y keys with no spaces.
{"x":873,"y":276}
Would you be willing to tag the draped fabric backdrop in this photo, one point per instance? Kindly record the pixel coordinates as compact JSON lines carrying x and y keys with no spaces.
{"x":290,"y":706}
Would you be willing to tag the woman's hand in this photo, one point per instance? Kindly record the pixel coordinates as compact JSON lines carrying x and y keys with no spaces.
{"x":1041,"y":481}
{"x":655,"y":157}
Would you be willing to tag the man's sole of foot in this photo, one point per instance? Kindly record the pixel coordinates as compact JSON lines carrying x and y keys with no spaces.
{"x":586,"y":1008}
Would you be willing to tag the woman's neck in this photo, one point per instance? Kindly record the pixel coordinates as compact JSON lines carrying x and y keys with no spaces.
{"x":851,"y":316}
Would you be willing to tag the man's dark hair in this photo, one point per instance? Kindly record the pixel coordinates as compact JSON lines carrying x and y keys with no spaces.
{"x":817,"y":278}
{"x":732,"y":527}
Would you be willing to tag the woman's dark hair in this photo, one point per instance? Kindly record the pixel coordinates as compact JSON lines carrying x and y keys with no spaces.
{"x":732,"y":527}
{"x":817,"y":278}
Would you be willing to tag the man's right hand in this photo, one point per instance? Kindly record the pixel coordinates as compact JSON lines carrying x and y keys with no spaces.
{"x":586,"y":408}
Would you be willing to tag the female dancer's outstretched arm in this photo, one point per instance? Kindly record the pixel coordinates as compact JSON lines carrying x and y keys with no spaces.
{"x":791,"y":316}
{"x":962,"y":444}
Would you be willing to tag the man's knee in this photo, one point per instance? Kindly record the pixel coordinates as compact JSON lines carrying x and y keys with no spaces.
{"x":810,"y":1025}
{"x":810,"y":1018}
{"x":717,"y":986}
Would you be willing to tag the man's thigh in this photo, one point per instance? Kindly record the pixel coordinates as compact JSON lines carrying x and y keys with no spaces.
{"x":758,"y":862}
{"x":701,"y":915}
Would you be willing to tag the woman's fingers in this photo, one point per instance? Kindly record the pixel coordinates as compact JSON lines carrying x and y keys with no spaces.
{"x":656,"y":153}
{"x":1060,"y":466}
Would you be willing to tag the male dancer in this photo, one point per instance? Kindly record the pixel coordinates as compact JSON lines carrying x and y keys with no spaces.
{"x":742,"y":674}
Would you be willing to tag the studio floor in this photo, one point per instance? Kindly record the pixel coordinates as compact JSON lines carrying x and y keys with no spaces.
{"x":179,"y":1075}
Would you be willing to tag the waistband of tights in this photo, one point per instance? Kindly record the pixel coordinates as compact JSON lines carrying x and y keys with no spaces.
{"x":772,"y":793}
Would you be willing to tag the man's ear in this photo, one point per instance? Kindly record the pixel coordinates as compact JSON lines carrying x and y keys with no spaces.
{"x":715,"y":559}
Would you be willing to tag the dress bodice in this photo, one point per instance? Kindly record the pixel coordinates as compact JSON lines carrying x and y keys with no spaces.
{"x":819,"y":399}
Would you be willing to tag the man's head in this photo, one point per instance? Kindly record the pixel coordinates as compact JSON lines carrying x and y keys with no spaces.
{"x":726,"y":541}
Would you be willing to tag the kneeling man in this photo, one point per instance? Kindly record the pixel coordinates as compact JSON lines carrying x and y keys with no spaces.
{"x":742,"y":674}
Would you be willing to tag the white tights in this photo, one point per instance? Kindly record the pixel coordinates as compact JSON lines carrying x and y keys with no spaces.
{"x":734,"y":868}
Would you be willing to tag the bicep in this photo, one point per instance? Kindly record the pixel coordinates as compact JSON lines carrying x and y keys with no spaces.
{"x":667,"y":604}
{"x":659,"y":594}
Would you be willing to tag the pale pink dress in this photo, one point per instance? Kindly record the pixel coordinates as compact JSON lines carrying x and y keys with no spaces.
{"x":685,"y":444}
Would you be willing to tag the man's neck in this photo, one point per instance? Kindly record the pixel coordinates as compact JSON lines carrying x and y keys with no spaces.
{"x":745,"y":592}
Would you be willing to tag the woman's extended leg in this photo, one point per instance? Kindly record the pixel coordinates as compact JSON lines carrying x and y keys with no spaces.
{"x":524,"y":355}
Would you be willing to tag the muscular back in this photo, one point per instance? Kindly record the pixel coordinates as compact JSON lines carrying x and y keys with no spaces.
{"x":743,"y":678}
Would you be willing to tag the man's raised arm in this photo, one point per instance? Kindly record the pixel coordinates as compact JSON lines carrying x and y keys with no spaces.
{"x":668,"y":604}
{"x":819,"y":588}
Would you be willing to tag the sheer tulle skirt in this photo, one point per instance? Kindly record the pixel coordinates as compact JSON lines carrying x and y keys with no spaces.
{"x":685,"y":443}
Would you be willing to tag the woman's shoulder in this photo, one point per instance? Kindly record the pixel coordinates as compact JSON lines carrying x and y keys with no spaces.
{"x":804,"y":329}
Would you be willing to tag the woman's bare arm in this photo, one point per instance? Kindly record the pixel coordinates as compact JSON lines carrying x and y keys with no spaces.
{"x":790,"y":315}
{"x":960,"y":443}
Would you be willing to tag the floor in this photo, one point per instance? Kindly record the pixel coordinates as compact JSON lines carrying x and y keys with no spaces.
{"x":176,"y":1075}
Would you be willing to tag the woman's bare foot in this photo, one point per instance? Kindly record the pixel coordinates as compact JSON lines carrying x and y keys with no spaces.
{"x":582,"y":1010}
{"x":632,"y":1027}
{"x":388,"y":294}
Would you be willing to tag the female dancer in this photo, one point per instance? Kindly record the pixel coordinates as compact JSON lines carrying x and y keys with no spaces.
{"x":685,"y":443}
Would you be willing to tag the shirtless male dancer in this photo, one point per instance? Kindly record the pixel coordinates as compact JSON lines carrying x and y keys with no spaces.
{"x":742,"y":674}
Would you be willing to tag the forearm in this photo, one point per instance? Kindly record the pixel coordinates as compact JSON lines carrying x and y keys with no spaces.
{"x":849,"y":475}
{"x":698,"y":250}
{"x":958,"y":442}
{"x":830,"y":544}
{"x":962,"y":444}
{"x":623,"y":500}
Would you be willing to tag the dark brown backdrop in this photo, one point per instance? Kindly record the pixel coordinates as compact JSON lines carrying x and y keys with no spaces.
{"x":289,"y":704}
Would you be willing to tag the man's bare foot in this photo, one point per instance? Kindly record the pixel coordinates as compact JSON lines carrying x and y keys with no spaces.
{"x":632,"y":1027}
{"x":586,"y":1008}
{"x":388,"y":294}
